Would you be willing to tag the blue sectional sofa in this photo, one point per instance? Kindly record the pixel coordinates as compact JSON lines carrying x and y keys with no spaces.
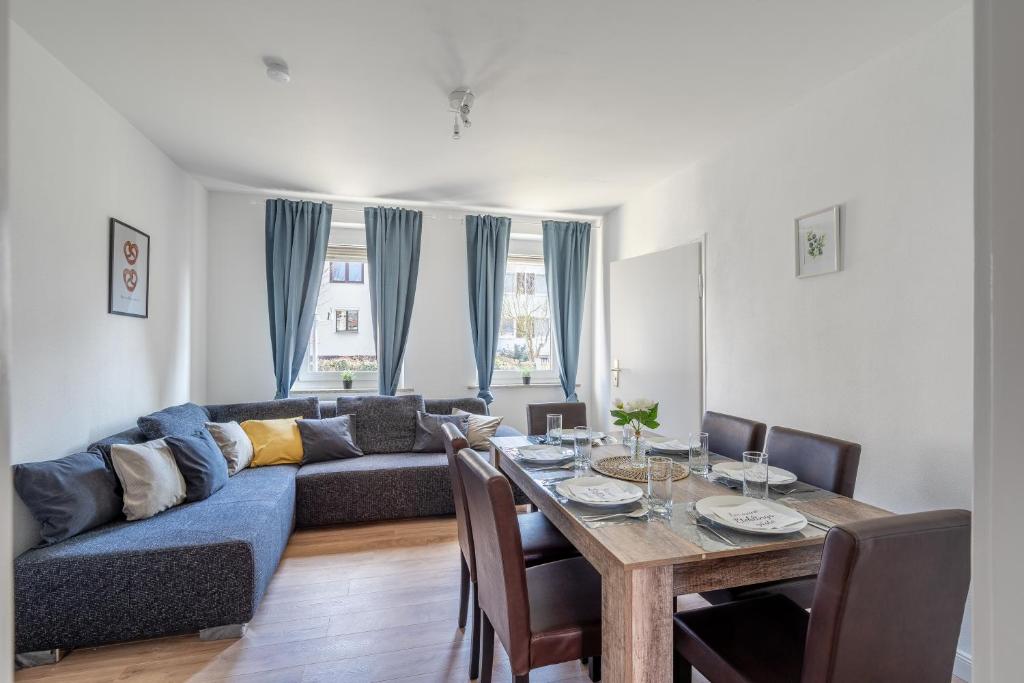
{"x":204,"y":566}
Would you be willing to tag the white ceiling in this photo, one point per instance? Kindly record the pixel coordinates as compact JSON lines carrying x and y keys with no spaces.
{"x":579,"y":102}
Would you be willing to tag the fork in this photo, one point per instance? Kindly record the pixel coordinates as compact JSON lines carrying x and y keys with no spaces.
{"x":640,"y":512}
{"x":691,"y":510}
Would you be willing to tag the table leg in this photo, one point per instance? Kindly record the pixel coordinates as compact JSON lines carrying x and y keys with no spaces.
{"x":636,"y":622}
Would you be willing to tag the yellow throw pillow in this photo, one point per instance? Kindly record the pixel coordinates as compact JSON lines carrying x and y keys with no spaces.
{"x":274,"y":442}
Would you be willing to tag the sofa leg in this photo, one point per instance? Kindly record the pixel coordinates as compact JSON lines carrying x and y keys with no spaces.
{"x":226,"y":632}
{"x":26,"y":660}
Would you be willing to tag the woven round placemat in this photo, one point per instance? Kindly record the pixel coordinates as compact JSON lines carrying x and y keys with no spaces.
{"x":622,"y":467}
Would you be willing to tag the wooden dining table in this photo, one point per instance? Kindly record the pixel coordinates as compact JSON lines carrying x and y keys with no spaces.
{"x":645,"y":562}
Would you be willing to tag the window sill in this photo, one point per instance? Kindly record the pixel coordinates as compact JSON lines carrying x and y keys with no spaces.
{"x":326,"y":392}
{"x":520,"y":385}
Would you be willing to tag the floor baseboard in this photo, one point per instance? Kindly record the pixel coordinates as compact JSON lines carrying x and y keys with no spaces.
{"x":962,"y":665}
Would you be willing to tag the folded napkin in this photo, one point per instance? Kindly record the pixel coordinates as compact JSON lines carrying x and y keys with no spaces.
{"x":608,"y":492}
{"x":757,"y":474}
{"x":544,"y":453}
{"x":755,"y":515}
{"x":671,"y":445}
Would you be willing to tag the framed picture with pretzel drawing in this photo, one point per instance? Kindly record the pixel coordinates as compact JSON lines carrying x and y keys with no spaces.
{"x":129,"y":270}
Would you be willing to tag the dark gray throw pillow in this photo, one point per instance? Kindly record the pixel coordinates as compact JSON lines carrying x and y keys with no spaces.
{"x":69,"y":495}
{"x":201,"y":463}
{"x":383,"y":424}
{"x":184,"y":420}
{"x":327,"y":439}
{"x":429,"y":437}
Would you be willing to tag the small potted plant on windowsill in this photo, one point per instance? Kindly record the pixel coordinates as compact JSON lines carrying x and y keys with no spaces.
{"x":526,"y":375}
{"x":346,"y":379}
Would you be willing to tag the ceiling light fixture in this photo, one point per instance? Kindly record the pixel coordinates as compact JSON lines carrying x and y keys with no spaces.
{"x":460,"y":102}
{"x":277,"y":70}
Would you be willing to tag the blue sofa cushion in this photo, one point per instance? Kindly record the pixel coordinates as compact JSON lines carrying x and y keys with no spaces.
{"x":194,"y":566}
{"x":201,"y":463}
{"x":69,"y":495}
{"x":184,"y":420}
{"x":306,"y":408}
{"x":383,"y":424}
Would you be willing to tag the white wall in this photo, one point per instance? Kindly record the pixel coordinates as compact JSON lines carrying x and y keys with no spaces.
{"x":81,"y":373}
{"x":999,"y":338}
{"x":880,"y":353}
{"x":6,"y":491}
{"x":439,"y":357}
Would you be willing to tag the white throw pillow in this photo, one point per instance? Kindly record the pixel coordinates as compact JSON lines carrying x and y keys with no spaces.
{"x":150,"y":477}
{"x":481,"y":428}
{"x":234,"y":444}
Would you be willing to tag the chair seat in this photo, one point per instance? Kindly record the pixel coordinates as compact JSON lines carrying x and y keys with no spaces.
{"x":760,"y":640}
{"x":800,"y":591}
{"x":542,"y":542}
{"x":565,"y":611}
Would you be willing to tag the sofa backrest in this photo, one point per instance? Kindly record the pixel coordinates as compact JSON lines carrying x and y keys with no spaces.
{"x":444,"y":406}
{"x":307,"y":408}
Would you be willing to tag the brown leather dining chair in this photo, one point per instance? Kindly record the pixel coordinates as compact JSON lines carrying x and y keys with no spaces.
{"x":822,"y":461}
{"x":888,"y":607}
{"x":545,"y":614}
{"x":541,"y":541}
{"x":730,"y":435}
{"x":574,"y":414}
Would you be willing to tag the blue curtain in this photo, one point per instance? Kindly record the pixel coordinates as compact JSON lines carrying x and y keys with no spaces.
{"x":393,"y":261}
{"x":566,"y":257}
{"x":486,"y":253}
{"x":297,"y":234}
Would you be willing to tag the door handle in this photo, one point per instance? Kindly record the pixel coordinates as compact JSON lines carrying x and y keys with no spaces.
{"x":615,"y":373}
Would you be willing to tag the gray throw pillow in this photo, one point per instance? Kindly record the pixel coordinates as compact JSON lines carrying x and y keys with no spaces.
{"x":429,"y":436}
{"x":184,"y":420}
{"x":69,"y":495}
{"x":383,"y":424}
{"x":327,"y":439}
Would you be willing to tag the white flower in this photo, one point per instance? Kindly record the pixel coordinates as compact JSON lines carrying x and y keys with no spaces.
{"x":639,"y":404}
{"x":618,"y":404}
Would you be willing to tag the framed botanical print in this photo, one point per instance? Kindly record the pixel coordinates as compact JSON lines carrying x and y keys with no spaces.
{"x":818,"y":243}
{"x":129,"y":270}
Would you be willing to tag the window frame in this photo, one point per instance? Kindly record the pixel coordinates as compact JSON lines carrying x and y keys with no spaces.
{"x":537,"y":377}
{"x":347,"y":280}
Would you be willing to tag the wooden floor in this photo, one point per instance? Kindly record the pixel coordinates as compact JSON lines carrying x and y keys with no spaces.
{"x":373,"y":602}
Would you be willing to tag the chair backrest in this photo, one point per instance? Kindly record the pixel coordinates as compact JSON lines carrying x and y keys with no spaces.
{"x":730,"y":436}
{"x":828,"y":463}
{"x":889,"y":599}
{"x":501,"y":572}
{"x":573,"y":414}
{"x":454,"y":442}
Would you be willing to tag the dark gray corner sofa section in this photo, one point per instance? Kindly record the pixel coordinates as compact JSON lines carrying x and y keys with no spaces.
{"x":207,"y":564}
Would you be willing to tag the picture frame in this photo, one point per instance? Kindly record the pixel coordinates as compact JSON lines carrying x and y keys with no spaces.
{"x":128,"y":273}
{"x":819,"y":242}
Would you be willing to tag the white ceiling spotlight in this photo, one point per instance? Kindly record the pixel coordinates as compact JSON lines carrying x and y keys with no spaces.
{"x":460,"y":102}
{"x":277,"y":69}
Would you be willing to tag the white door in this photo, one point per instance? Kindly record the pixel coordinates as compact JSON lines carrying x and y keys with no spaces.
{"x":657,"y":334}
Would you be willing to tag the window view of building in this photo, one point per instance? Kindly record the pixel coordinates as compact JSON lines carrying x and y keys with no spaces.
{"x":524,"y":339}
{"x":338,"y":342}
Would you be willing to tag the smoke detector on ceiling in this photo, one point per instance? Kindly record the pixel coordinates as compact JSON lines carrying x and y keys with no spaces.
{"x":460,"y":102}
{"x":277,"y":69}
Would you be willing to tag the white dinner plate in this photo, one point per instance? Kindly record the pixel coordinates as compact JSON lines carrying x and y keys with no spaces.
{"x":634,"y":491}
{"x":569,"y":434}
{"x":661,"y":448}
{"x":734,"y":471}
{"x":705,"y":506}
{"x":545,"y":454}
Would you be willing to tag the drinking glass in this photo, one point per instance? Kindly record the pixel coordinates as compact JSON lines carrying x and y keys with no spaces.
{"x":554,"y":433}
{"x":699,"y":454}
{"x":659,"y":483}
{"x":582,"y":443}
{"x":755,"y":474}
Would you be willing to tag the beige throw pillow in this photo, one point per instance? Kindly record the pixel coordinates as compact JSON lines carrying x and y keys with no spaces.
{"x":234,"y":444}
{"x":150,"y":477}
{"x":481,"y":428}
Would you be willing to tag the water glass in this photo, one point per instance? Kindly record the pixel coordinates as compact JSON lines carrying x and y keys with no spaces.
{"x":755,"y":474}
{"x":554,"y":433}
{"x":659,"y":483}
{"x":582,"y":443}
{"x":699,"y":454}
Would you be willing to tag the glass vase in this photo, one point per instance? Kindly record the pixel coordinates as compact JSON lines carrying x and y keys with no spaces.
{"x":638,"y":448}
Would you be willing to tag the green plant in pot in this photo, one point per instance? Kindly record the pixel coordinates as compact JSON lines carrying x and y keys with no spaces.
{"x":526,"y":375}
{"x":346,"y":379}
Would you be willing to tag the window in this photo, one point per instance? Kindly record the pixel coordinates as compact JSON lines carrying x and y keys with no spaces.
{"x":346,"y":271}
{"x":524,"y":338}
{"x":346,"y":320}
{"x":338,"y":342}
